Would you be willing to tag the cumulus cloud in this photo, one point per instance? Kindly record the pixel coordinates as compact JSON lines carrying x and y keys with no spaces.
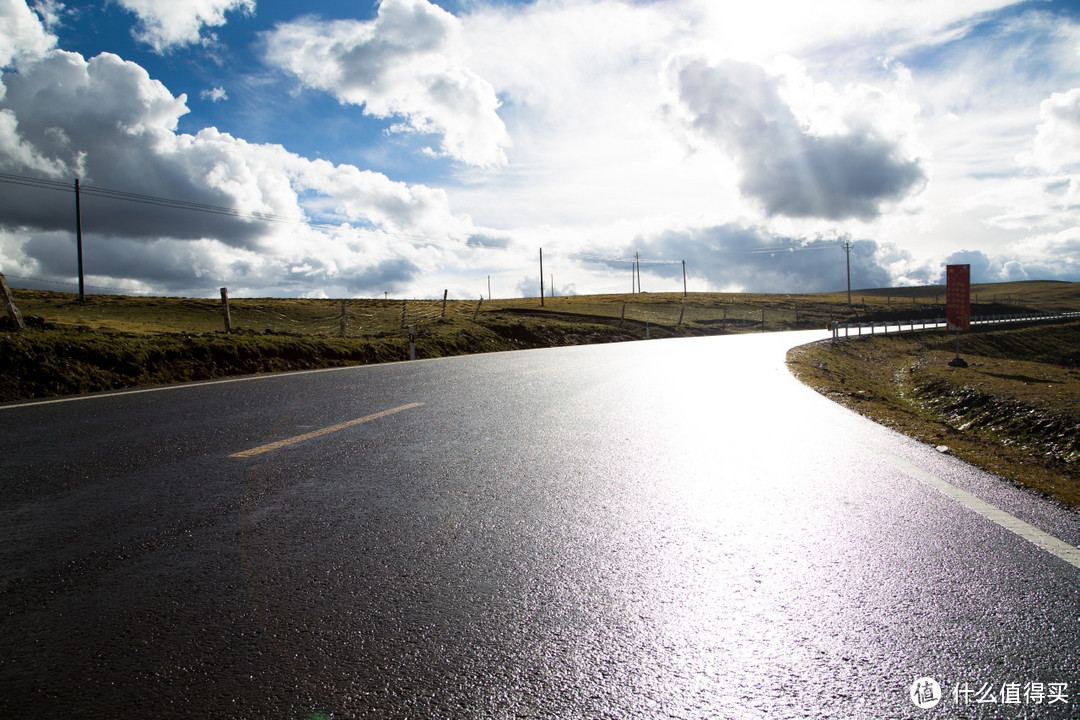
{"x":1044,"y":192}
{"x":622,"y":129}
{"x":409,"y":63}
{"x":21,"y":34}
{"x":847,"y":171}
{"x":1049,"y":256}
{"x":1057,"y":142}
{"x":738,"y":257}
{"x":107,"y":122}
{"x":164,"y":24}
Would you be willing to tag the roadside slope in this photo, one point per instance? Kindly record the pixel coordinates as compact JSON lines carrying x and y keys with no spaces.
{"x":1015,"y":410}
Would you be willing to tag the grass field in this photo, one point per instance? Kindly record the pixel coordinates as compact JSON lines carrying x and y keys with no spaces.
{"x":115,"y":313}
{"x":697,"y":313}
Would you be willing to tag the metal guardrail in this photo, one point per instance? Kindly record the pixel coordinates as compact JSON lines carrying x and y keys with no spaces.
{"x":873,"y":327}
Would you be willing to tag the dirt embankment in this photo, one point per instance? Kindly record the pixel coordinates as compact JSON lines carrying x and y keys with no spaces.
{"x":1014,"y":410}
{"x":46,"y":360}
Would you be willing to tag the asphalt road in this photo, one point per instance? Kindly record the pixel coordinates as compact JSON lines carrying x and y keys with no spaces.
{"x":664,"y":529}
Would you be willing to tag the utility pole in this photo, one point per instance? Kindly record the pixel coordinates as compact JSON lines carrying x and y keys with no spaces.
{"x":847,"y":254}
{"x":541,"y":277}
{"x":78,"y":242}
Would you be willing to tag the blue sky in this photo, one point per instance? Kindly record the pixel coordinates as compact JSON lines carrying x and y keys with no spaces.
{"x":409,"y":147}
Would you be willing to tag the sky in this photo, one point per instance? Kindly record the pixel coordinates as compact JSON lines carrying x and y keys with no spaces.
{"x":402,"y":148}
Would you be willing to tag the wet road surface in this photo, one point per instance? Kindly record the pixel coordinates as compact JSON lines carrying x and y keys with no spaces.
{"x":667,"y":529}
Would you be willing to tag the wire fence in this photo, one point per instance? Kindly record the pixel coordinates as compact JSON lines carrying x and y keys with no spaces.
{"x":385,"y":317}
{"x":637,"y":315}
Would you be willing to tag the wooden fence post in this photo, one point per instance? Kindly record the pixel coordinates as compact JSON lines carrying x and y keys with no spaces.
{"x":444,"y":294}
{"x":12,"y":311}
{"x":225,"y":308}
{"x":478,"y":308}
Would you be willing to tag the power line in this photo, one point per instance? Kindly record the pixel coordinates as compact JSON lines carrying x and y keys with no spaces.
{"x":640,"y":261}
{"x":110,"y":194}
{"x":771,"y":250}
{"x":97,"y":287}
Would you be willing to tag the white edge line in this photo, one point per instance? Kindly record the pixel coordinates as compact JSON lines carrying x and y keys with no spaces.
{"x":1044,"y":540}
{"x":177,"y":386}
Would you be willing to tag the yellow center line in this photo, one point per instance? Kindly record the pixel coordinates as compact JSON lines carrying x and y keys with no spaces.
{"x":317,"y":433}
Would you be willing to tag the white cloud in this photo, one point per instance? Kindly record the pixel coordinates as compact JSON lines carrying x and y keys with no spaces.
{"x":20,"y":155}
{"x":1052,"y":256}
{"x":108,"y":122}
{"x":580,"y":84}
{"x":50,"y":12}
{"x":164,"y":24}
{"x":106,"y":119}
{"x":217,"y":94}
{"x":21,"y":34}
{"x":847,"y":166}
{"x":408,"y":63}
{"x":1049,"y":256}
{"x":899,"y":123}
{"x":920,"y":97}
{"x":1057,"y":142}
{"x":758,"y":31}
